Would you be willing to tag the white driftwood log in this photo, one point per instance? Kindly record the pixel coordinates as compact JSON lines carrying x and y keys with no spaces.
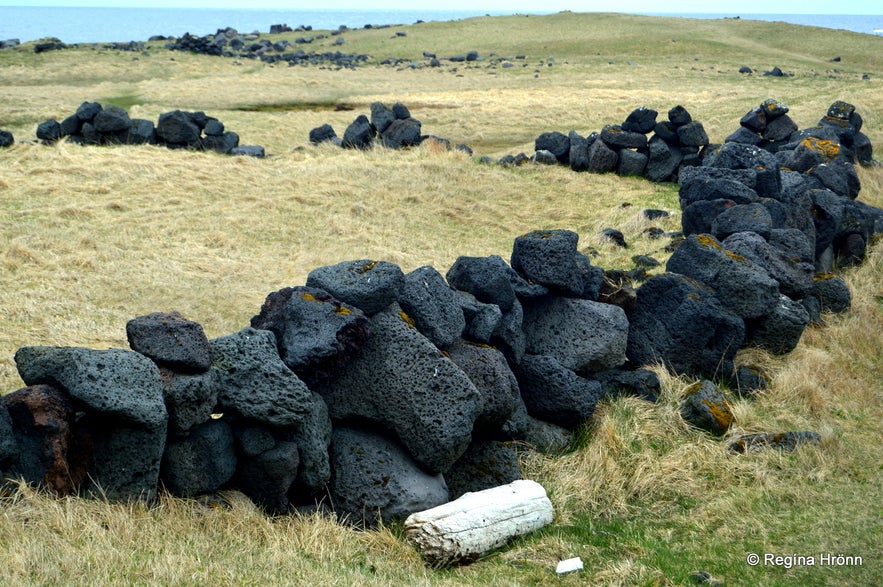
{"x":476,"y":523}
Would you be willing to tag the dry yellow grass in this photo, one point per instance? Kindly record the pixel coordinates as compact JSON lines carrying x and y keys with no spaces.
{"x":92,"y":237}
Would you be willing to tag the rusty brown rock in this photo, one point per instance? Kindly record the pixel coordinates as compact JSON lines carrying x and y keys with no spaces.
{"x":42,"y":422}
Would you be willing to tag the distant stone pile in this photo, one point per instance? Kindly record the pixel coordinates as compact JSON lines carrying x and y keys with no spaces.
{"x":625,"y":148}
{"x":229,"y":43}
{"x":393,"y":128}
{"x":681,"y":142}
{"x":94,"y":124}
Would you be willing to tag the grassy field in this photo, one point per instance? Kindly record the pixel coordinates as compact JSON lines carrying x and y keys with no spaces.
{"x":92,"y":237}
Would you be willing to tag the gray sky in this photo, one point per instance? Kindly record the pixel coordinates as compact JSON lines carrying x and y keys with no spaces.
{"x":508,"y":6}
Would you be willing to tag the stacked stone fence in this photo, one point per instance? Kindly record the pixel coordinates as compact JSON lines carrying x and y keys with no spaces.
{"x":380,"y":393}
{"x":94,"y":124}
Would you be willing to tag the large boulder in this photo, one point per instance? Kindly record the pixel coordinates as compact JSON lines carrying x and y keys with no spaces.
{"x":578,"y":156}
{"x":190,"y":398}
{"x":740,"y":285}
{"x":267,"y":477}
{"x":664,"y":160}
{"x":780,"y":330}
{"x":550,"y":258}
{"x":708,"y":188}
{"x":116,"y":382}
{"x":692,"y":134}
{"x":315,"y":333}
{"x":616,"y":137}
{"x":359,"y":134}
{"x":482,"y":320}
{"x":738,"y":156}
{"x":832,"y":292}
{"x":433,"y":305}
{"x":141,"y":132}
{"x":556,"y":143}
{"x":488,"y":370}
{"x":201,"y":462}
{"x":381,"y":116}
{"x":401,"y":381}
{"x":743,"y":218}
{"x":323,"y":134}
{"x":680,"y":322}
{"x":37,"y":435}
{"x":403,"y":132}
{"x":124,"y":461}
{"x":6,"y":139}
{"x":368,"y":285}
{"x":87,"y":111}
{"x":171,"y":341}
{"x":641,"y":120}
{"x":581,"y":334}
{"x":254,"y":383}
{"x":601,"y":158}
{"x":631,"y":162}
{"x":375,"y":480}
{"x":698,"y":217}
{"x":554,"y":393}
{"x":791,"y":267}
{"x":49,"y":130}
{"x":486,"y":278}
{"x":178,"y":128}
{"x":112,"y":119}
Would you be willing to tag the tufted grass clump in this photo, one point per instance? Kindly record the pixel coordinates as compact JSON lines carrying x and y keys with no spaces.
{"x":91,"y":237}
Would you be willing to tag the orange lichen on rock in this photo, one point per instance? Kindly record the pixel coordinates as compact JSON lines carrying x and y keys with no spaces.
{"x":708,"y":241}
{"x":721,"y":412}
{"x":365,"y":268}
{"x":407,"y":320}
{"x":829,"y":149}
{"x":309,"y":297}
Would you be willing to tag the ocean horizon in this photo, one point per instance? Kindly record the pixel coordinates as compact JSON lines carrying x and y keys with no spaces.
{"x":108,"y":25}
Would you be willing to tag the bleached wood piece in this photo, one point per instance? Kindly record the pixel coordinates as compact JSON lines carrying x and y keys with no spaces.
{"x":476,"y":523}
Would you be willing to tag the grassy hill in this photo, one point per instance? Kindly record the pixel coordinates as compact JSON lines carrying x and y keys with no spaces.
{"x":92,"y":237}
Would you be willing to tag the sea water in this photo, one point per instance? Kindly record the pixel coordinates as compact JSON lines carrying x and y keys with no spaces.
{"x":100,"y":25}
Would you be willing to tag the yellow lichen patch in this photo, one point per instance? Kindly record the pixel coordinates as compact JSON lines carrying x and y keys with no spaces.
{"x":407,"y":320}
{"x":708,"y":241}
{"x":735,"y":256}
{"x":721,"y":412}
{"x":824,"y":276}
{"x":343,"y":311}
{"x":828,"y":149}
{"x":480,"y":345}
{"x":368,"y":266}
{"x":693,"y":388}
{"x":309,"y":297}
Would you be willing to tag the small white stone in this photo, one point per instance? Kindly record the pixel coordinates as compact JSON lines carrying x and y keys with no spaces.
{"x":570,"y":565}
